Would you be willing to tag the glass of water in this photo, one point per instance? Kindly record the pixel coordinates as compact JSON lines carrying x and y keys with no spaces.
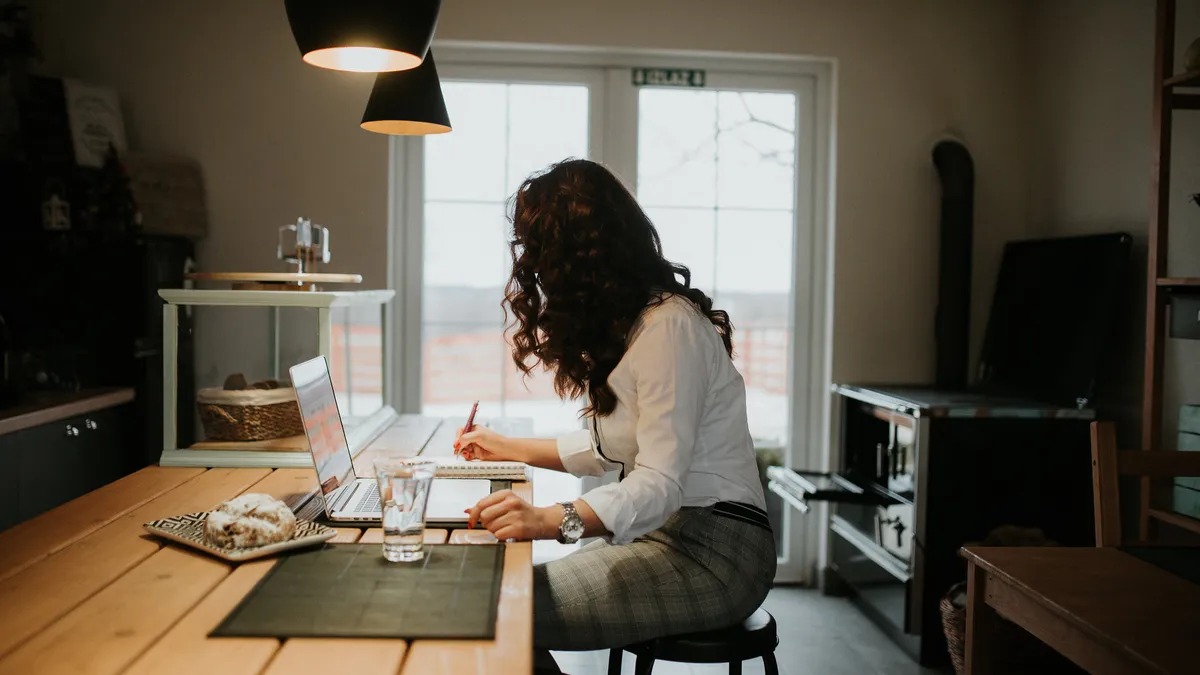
{"x":404,"y":484}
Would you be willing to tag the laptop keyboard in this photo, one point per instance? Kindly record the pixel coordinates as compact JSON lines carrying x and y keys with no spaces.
{"x":369,"y":502}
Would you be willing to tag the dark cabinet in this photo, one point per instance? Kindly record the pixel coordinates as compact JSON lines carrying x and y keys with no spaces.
{"x":919,"y":474}
{"x":52,"y":464}
{"x":10,"y":512}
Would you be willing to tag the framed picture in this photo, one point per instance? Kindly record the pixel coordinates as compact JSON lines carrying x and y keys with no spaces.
{"x":95,"y":117}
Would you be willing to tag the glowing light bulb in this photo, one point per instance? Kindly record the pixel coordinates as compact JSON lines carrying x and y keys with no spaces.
{"x":362,"y":59}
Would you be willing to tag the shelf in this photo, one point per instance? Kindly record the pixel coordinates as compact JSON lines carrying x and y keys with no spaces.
{"x":1185,"y":101}
{"x":1188,"y":79}
{"x":318,"y":299}
{"x":1179,"y":282}
{"x":1177,"y":519}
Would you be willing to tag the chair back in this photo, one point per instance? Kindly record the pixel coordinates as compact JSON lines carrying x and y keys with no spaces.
{"x":1109,"y":464}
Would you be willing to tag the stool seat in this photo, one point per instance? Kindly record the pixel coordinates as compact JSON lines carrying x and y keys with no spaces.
{"x":756,"y":637}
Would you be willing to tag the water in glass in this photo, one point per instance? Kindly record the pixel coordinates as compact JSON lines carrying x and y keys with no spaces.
{"x":403,"y":493}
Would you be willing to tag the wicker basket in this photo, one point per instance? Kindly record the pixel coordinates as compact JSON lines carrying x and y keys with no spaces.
{"x":249,"y":415}
{"x":954,"y":624}
{"x":1020,"y":652}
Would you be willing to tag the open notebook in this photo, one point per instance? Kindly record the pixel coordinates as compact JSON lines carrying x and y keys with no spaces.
{"x":454,"y":467}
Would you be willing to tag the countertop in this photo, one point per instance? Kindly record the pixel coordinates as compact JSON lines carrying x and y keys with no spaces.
{"x":54,"y":406}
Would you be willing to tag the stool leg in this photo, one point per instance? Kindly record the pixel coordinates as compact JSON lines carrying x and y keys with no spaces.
{"x":614,"y":661}
{"x":769,"y":664}
{"x":643,"y":665}
{"x":735,"y":668}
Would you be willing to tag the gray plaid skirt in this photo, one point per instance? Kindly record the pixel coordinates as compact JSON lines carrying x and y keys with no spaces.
{"x":704,"y":569}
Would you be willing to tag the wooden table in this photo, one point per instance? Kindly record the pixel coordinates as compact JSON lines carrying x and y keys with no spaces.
{"x":84,"y":589}
{"x":1104,"y":609}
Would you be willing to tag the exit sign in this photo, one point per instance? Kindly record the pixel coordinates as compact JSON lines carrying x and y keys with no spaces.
{"x":667,"y":77}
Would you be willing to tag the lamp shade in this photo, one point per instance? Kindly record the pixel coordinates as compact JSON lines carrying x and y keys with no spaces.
{"x":408,"y":103}
{"x":366,"y":36}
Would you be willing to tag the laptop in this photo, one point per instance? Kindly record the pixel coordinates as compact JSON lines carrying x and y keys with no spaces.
{"x":347,"y":497}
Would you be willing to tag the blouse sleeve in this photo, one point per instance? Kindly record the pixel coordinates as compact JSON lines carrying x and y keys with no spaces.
{"x":671,"y":369}
{"x":577,"y":451}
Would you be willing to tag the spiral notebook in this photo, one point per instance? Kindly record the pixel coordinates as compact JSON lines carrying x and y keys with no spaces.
{"x":461,"y":468}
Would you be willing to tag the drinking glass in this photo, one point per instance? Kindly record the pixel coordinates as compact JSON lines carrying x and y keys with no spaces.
{"x":404,"y":484}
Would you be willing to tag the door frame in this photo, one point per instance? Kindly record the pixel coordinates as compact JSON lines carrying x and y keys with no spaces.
{"x":811,"y":352}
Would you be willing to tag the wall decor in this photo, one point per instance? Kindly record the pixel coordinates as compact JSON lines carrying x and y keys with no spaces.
{"x":96,"y":121}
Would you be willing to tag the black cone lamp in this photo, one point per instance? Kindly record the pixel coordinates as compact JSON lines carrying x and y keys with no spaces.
{"x":366,"y":36}
{"x":408,"y":103}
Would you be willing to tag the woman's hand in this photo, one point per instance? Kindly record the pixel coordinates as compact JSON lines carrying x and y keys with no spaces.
{"x":507,"y":516}
{"x":483,"y":443}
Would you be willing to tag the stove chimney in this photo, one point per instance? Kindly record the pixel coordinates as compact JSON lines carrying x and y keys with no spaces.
{"x":952,"y":329}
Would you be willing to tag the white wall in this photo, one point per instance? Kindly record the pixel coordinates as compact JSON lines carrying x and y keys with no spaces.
{"x":1090,"y":163}
{"x":220,"y":80}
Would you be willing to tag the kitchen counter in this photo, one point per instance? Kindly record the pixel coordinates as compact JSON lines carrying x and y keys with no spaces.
{"x":54,"y":406}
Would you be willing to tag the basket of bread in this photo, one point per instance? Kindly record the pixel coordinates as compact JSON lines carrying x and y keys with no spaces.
{"x":244,"y":528}
{"x":239,"y":411}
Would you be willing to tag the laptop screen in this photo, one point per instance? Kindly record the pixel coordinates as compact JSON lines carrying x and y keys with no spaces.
{"x":322,"y":423}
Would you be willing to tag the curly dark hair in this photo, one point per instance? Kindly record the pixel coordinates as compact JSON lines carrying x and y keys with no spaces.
{"x":586,"y":263}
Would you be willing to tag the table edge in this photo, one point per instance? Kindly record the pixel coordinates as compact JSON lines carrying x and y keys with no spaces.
{"x":970,"y":554}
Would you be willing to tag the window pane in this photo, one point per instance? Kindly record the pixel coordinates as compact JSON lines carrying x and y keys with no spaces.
{"x":469,"y":163}
{"x":466,"y":245}
{"x":754,"y":251}
{"x":688,"y":238}
{"x":502,"y":133}
{"x":761,"y":356}
{"x":460,"y":364}
{"x":534,"y":397}
{"x":716,"y":173}
{"x":677,"y":163}
{"x":756,"y":150}
{"x":547,"y":124}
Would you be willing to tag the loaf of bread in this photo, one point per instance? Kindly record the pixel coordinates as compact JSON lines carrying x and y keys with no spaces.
{"x":248,"y":521}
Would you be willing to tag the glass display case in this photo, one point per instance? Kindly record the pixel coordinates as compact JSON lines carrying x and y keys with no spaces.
{"x":245,"y":342}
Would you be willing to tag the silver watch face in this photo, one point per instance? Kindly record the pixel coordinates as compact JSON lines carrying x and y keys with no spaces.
{"x":571,"y":528}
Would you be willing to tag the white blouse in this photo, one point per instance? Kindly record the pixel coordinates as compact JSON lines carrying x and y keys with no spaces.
{"x":679,"y":431}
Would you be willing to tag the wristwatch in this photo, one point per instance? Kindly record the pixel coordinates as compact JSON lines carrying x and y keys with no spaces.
{"x":571,"y":528}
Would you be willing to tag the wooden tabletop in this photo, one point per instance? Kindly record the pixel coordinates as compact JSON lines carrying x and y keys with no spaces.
{"x":84,"y":589}
{"x":1130,"y":606}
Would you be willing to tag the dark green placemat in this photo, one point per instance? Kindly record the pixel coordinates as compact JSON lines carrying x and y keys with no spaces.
{"x":1183,"y":562}
{"x":349,"y":590}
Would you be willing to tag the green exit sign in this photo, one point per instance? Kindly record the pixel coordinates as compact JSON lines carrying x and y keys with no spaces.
{"x":667,"y":77}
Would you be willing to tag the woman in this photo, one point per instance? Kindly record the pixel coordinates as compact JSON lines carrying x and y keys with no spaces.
{"x":686,"y":545}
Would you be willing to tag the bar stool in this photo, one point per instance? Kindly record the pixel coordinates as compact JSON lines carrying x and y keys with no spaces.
{"x":753,"y":638}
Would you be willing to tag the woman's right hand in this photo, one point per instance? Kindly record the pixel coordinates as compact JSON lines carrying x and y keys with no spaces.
{"x":483,"y":443}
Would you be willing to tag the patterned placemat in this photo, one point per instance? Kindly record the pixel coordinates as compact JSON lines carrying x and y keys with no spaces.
{"x":188,"y":529}
{"x":349,"y":590}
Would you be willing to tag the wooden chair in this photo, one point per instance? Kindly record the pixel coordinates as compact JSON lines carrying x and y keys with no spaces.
{"x":1108,"y":464}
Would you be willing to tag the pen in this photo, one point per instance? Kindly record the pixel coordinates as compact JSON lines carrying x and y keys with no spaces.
{"x":471,"y":418}
{"x":470,"y":425}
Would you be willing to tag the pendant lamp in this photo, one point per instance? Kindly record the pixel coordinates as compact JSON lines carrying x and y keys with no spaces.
{"x":365,"y":36}
{"x":408,"y":103}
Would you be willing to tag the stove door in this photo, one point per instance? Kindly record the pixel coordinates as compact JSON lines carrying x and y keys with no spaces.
{"x":799,"y":488}
{"x":872,"y":545}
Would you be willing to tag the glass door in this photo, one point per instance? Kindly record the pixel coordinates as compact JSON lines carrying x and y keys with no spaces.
{"x":508,"y":123}
{"x":724,"y":171}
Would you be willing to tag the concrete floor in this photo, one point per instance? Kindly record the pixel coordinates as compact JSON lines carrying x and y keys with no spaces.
{"x":818,"y":635}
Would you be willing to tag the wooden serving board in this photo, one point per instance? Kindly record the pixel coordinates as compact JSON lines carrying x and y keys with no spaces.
{"x":276,"y":277}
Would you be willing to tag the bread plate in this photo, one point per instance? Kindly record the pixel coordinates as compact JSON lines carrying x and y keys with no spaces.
{"x":188,"y":530}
